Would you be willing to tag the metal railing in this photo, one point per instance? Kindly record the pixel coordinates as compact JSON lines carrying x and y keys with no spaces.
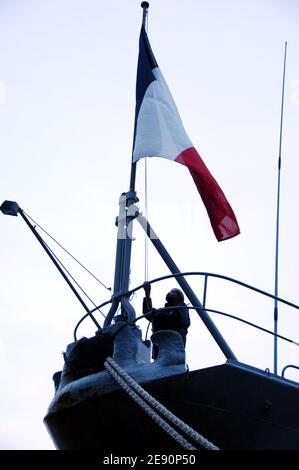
{"x":206,"y":276}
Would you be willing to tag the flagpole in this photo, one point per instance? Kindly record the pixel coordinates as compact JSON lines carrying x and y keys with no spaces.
{"x":145,"y":7}
{"x":278,"y":216}
{"x":124,"y":238}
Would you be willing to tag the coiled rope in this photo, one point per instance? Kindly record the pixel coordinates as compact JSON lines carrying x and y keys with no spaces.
{"x":149,"y":404}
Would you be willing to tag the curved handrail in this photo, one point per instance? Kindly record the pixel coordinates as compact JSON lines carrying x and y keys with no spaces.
{"x":206,"y":275}
{"x":234,"y":317}
{"x":289,"y":366}
{"x":86,"y":316}
{"x":201,"y":273}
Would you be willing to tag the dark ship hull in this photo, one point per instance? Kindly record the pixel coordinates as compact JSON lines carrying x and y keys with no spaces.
{"x":233,"y":405}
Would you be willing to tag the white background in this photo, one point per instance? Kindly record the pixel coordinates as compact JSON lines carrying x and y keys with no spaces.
{"x":67,"y":97}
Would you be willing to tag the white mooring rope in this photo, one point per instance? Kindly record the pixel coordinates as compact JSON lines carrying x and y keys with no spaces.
{"x":149,"y":404}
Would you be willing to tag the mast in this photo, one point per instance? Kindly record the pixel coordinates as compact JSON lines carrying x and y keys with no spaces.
{"x":278,"y":215}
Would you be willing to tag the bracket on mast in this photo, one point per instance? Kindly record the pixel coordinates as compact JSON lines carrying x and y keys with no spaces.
{"x":128,"y":211}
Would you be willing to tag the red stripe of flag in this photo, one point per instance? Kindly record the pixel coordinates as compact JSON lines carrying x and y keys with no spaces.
{"x":222,"y":217}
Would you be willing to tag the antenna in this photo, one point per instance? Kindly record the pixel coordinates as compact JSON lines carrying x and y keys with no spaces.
{"x":278,"y":214}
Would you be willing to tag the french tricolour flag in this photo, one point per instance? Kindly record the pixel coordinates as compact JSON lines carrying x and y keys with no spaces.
{"x":159,"y":132}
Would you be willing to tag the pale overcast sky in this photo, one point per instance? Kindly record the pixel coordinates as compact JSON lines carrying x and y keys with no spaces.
{"x":67,"y":98}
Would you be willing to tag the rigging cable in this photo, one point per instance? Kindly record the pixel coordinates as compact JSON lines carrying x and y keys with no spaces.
{"x":66,"y":251}
{"x":146,"y":216}
{"x":147,"y":329}
{"x":73,"y":279}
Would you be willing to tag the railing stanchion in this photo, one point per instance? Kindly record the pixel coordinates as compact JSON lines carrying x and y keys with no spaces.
{"x":205,"y":288}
